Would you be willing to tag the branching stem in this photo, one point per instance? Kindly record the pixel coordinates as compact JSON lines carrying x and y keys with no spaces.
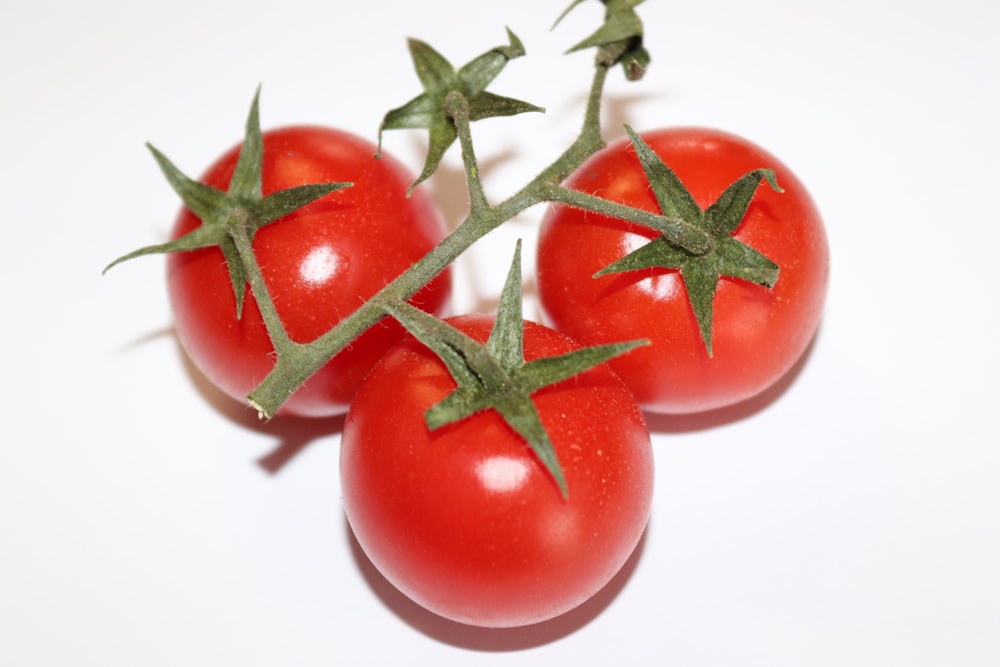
{"x":296,"y":362}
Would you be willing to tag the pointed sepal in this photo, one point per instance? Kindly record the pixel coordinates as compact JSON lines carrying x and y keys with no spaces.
{"x":726,"y":257}
{"x":439,"y":79}
{"x":619,"y":39}
{"x":242,"y":209}
{"x":495,"y":375}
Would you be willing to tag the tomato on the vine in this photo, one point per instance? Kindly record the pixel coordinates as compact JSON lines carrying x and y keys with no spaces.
{"x":464,"y":519}
{"x":757,"y":333}
{"x":319,"y":263}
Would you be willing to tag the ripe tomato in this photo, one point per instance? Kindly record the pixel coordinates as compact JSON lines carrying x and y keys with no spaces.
{"x":319,"y":263}
{"x":758,"y":333}
{"x":465,"y":520}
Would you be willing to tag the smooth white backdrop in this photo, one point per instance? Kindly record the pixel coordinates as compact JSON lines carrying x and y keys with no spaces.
{"x":850,"y":519}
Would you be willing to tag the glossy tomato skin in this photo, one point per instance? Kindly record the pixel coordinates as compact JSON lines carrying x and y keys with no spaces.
{"x":758,"y":333}
{"x":319,"y":263}
{"x":465,"y":520}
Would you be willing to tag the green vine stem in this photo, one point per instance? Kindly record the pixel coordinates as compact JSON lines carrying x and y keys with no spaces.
{"x":243,"y":240}
{"x":296,"y":362}
{"x":676,"y":231}
{"x":452,"y":99}
{"x":457,"y":107}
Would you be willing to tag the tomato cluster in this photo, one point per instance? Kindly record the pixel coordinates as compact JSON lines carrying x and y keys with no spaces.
{"x":462,"y":519}
{"x":496,"y":471}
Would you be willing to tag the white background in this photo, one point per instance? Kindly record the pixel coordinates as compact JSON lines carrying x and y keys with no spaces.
{"x":852,"y":518}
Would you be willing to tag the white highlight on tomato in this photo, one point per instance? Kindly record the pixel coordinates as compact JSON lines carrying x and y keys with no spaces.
{"x":319,"y":266}
{"x":502,"y":474}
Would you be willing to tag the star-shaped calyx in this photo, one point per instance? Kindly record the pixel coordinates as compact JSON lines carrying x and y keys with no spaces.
{"x":619,"y":39}
{"x":242,"y":210}
{"x":439,"y":78}
{"x":726,"y":256}
{"x":495,"y":375}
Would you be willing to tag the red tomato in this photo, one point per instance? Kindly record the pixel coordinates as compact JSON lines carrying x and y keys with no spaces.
{"x":319,"y":263}
{"x":465,"y":520}
{"x":758,"y":333}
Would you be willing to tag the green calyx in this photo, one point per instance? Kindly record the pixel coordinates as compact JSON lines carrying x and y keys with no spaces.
{"x":439,"y":79}
{"x":725,"y":256}
{"x":230,"y":217}
{"x":496,"y":375}
{"x":619,"y":39}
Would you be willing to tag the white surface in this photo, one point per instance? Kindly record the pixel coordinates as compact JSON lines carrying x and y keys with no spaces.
{"x":853,"y":520}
